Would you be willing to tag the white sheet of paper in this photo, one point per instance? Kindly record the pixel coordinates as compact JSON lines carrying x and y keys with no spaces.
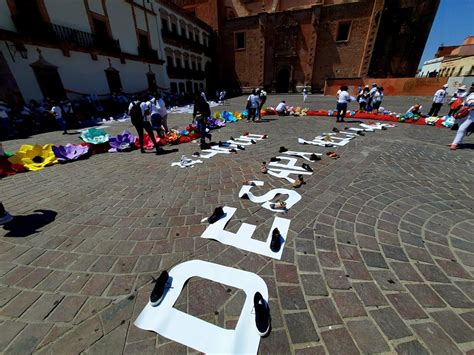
{"x":209,"y":153}
{"x":285,"y":174}
{"x":199,"y":334}
{"x":243,"y":238}
{"x":187,"y":165}
{"x":304,"y":155}
{"x":304,"y":141}
{"x":291,"y":164}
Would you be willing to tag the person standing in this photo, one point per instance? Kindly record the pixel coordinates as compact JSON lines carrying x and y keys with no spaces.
{"x":58,"y":115}
{"x":372,"y":94}
{"x":262,"y":96}
{"x":377,"y":100}
{"x":163,"y":113}
{"x":201,"y":113}
{"x":138,"y":111}
{"x":253,"y":103}
{"x":5,"y":217}
{"x":363,"y":98}
{"x":461,"y":133}
{"x":342,"y":99}
{"x":456,"y":101}
{"x":438,"y":100}
{"x":305,"y":94}
{"x":155,"y":117}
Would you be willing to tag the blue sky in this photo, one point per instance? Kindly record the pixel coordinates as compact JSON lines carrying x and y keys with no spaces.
{"x":453,"y":22}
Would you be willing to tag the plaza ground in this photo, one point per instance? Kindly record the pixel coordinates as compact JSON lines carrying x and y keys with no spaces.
{"x":379,"y":256}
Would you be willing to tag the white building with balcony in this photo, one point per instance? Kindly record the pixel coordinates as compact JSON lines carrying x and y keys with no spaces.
{"x":65,"y":48}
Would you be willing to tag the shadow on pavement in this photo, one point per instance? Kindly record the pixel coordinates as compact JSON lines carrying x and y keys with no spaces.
{"x":23,"y":226}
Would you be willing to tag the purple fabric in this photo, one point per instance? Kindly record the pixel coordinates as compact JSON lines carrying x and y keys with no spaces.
{"x":121,"y":142}
{"x":70,"y":151}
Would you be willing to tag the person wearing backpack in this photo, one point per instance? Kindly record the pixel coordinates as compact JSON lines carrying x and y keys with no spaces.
{"x":138,"y":112}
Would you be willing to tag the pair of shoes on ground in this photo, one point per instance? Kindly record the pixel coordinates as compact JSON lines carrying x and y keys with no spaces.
{"x":300,"y":181}
{"x":332,"y":155}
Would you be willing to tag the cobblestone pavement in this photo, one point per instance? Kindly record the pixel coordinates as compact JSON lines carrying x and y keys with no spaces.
{"x":379,"y":256}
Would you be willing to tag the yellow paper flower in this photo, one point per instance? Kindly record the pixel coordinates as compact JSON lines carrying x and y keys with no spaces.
{"x":34,"y":157}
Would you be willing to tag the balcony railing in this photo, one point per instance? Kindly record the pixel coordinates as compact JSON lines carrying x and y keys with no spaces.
{"x":147,"y":53}
{"x":181,"y":73}
{"x":42,"y":31}
{"x":184,"y":42}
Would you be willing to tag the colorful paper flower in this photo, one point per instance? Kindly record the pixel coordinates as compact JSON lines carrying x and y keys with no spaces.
{"x":95,"y":136}
{"x":9,"y":169}
{"x":70,"y":152}
{"x":121,"y":142}
{"x":34,"y":157}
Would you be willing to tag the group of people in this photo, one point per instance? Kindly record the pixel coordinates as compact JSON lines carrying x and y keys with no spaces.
{"x":255,"y":103}
{"x":149,"y":115}
{"x":455,"y":102}
{"x":369,"y":99}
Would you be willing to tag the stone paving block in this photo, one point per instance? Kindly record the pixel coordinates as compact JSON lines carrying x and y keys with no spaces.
{"x":468,"y":317}
{"x":27,"y":341}
{"x":411,"y":348}
{"x":79,"y":339}
{"x":307,"y":263}
{"x":67,"y":309}
{"x":336,"y":279}
{"x":301,"y":328}
{"x":316,"y":350}
{"x":276,"y":343}
{"x":53,"y":281}
{"x":454,"y":326}
{"x":373,"y":259}
{"x":7,"y":294}
{"x":453,"y":269}
{"x":325,"y":312}
{"x":406,"y":272}
{"x":121,"y":285}
{"x":112,"y":343}
{"x":369,"y":294}
{"x":367,"y":337}
{"x":467,"y":287}
{"x":349,"y":304}
{"x":394,"y":252}
{"x":357,"y":270}
{"x":286,"y":273}
{"x":43,"y":307}
{"x":435,"y":339}
{"x":291,"y":298}
{"x":313,"y":285}
{"x":348,"y":252}
{"x":329,"y":259}
{"x":390,"y":323}
{"x":406,"y":306}
{"x":339,"y":341}
{"x":325,"y":243}
{"x":432,"y":273}
{"x":74,"y":283}
{"x":386,"y":280}
{"x":20,"y":304}
{"x":453,"y":296}
{"x":9,"y":330}
{"x":425,"y":296}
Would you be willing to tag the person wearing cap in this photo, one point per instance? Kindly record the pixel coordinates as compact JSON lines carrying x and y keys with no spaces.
{"x":438,"y":100}
{"x":456,"y":101}
{"x":468,"y":108}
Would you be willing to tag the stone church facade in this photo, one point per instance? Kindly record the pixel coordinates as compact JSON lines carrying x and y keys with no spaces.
{"x":286,"y":45}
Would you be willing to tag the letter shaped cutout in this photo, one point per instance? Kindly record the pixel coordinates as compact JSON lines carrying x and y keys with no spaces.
{"x":199,"y":334}
{"x":243,"y":238}
{"x":293,"y":196}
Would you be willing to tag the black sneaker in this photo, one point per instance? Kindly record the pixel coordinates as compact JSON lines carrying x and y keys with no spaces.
{"x":360,"y":133}
{"x":335,"y":130}
{"x":274,"y":159}
{"x":262,"y":315}
{"x":196,"y":154}
{"x":275,"y":244}
{"x":142,"y":151}
{"x":306,"y":167}
{"x":158,"y":291}
{"x":253,"y":141}
{"x":232,"y":138}
{"x":241,"y":147}
{"x":314,"y":157}
{"x":283,"y":149}
{"x":218,"y":214}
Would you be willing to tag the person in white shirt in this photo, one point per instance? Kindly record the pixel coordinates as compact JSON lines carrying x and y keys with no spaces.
{"x":438,"y":101}
{"x":138,"y":112}
{"x":58,"y":115}
{"x":363,"y":98}
{"x":462,"y":130}
{"x":262,"y":96}
{"x":342,"y":100}
{"x":457,"y":99}
{"x":253,"y":102}
{"x":222,"y":97}
{"x":281,"y":109}
{"x":163,"y":113}
{"x":372,"y":94}
{"x":305,"y":94}
{"x":377,"y":99}
{"x":155,"y":117}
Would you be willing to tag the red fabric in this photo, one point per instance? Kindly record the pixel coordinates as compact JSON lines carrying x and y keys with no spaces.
{"x":8,"y":169}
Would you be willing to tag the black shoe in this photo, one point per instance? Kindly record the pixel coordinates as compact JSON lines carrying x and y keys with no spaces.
{"x":262,"y":315}
{"x":142,"y":151}
{"x":218,"y":214}
{"x":314,"y":157}
{"x":159,"y":151}
{"x":275,"y":244}
{"x":233,"y":150}
{"x":196,"y":154}
{"x":232,"y":138}
{"x":158,"y":291}
{"x":274,"y":159}
{"x":283,"y":149}
{"x":253,"y":141}
{"x":327,"y":145}
{"x":241,"y":147}
{"x":360,"y":133}
{"x":306,"y":167}
{"x":335,"y":130}
{"x":212,"y":144}
{"x":220,"y":144}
